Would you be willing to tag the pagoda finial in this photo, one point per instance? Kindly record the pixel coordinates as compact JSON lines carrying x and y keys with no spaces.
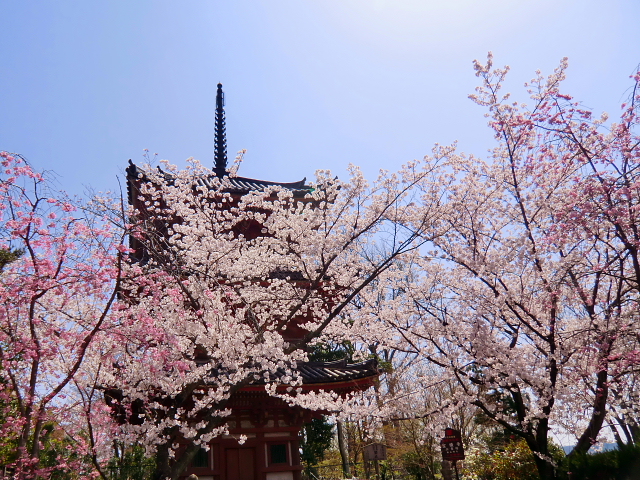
{"x":220,"y":140}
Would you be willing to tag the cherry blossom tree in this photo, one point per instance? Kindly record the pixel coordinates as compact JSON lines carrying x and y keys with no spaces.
{"x":529,"y":298}
{"x":513,"y":282}
{"x":603,"y":209}
{"x":220,"y":283}
{"x":55,"y":296}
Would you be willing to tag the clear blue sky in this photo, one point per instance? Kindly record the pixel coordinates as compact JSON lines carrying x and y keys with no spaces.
{"x":86,"y":85}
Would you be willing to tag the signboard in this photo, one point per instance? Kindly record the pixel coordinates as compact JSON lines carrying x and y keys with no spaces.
{"x":451,"y":445}
{"x":375,"y":451}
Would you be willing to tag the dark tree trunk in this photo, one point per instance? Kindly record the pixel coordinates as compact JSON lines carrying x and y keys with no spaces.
{"x":166,"y":468}
{"x":546,"y":470}
{"x":539,"y":446}
{"x":599,"y":412}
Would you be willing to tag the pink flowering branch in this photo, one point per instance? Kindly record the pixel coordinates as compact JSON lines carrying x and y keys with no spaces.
{"x":55,"y":300}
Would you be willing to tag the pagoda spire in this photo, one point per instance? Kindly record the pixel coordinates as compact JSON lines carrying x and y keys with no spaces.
{"x":220,"y":139}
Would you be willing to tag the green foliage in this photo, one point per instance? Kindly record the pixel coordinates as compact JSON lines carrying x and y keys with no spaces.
{"x":419,"y":467}
{"x":324,"y":352}
{"x":512,"y":462}
{"x":317,"y":435}
{"x":9,"y":440}
{"x":8,"y":256}
{"x":316,"y":440}
{"x":56,"y":450}
{"x":8,"y":409}
{"x":8,"y":402}
{"x":620,"y":464}
{"x":132,"y":465}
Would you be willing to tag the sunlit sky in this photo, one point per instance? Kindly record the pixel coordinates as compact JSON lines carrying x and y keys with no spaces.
{"x":309,"y":84}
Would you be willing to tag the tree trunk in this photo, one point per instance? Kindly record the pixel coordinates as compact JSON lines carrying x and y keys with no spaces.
{"x":599,"y":412}
{"x":168,"y":467}
{"x":346,"y":466}
{"x":163,"y":465}
{"x":539,"y":446}
{"x":546,"y":470}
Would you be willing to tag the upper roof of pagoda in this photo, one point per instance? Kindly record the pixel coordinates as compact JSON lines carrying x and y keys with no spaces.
{"x":243,"y":185}
{"x":230,"y":184}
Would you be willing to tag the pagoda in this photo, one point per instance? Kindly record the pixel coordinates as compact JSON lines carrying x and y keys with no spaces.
{"x":271,"y":426}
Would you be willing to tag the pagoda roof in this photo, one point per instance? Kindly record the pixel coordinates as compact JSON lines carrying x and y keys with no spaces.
{"x":244,"y":185}
{"x":338,"y":371}
{"x":231,"y":184}
{"x":338,"y":376}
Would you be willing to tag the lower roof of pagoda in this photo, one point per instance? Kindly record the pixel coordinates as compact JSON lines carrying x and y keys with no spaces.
{"x":337,"y":371}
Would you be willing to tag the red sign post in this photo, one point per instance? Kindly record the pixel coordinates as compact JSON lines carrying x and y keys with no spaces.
{"x":452,"y":448}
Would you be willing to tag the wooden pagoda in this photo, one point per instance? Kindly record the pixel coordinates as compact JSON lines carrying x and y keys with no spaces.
{"x":272,"y":428}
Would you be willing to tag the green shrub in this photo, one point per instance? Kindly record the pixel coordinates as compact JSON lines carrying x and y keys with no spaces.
{"x":620,"y":464}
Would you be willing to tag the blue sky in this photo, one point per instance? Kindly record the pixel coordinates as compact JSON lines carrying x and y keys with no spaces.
{"x":86,"y":85}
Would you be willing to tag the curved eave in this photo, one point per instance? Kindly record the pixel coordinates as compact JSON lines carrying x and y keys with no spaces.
{"x":244,"y":185}
{"x":349,"y":385}
{"x":232,"y":185}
